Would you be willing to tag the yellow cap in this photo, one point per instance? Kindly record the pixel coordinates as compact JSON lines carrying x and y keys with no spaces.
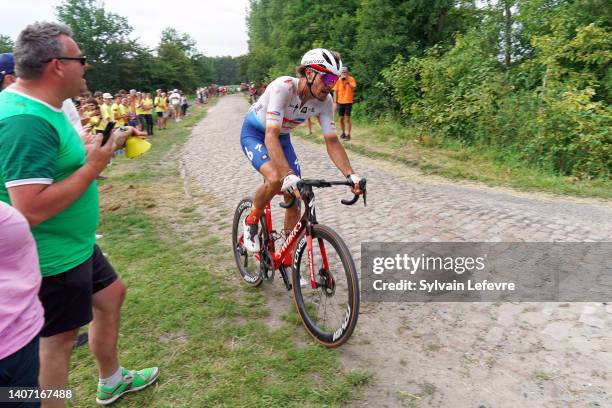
{"x":135,"y":146}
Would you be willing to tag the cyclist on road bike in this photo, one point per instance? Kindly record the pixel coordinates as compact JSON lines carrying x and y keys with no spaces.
{"x":265,"y":136}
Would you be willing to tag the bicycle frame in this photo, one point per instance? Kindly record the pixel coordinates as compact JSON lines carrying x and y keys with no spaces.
{"x":283,"y":258}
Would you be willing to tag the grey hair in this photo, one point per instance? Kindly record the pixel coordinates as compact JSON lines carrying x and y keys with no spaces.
{"x":38,"y":42}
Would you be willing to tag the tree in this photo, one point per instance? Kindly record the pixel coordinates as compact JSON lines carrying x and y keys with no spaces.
{"x":6,"y":44}
{"x":182,"y":41}
{"x":104,"y":38}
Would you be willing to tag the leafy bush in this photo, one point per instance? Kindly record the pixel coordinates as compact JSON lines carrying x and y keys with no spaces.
{"x":548,"y":110}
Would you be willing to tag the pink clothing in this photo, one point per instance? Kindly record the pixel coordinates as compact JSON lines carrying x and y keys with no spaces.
{"x":21,"y":313}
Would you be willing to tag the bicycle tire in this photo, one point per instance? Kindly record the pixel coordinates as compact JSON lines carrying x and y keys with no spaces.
{"x":337,"y":335}
{"x":251,"y":277}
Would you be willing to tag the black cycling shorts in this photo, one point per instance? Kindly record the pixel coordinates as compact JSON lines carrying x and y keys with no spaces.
{"x":67,"y":297}
{"x":344,"y":109}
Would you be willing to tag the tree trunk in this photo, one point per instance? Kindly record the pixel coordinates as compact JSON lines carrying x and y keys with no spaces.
{"x":507,"y":33}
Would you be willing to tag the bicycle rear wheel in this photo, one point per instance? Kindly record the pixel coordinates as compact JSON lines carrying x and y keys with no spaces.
{"x":248,"y":266}
{"x":329,"y":311}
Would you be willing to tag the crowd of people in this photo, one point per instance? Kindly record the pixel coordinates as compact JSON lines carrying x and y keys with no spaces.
{"x":254,"y":91}
{"x":139,"y":109}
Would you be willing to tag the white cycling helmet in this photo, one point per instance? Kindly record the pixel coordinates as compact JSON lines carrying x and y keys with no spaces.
{"x":323,"y":60}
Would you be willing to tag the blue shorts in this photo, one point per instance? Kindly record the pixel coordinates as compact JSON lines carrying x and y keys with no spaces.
{"x":252,"y":138}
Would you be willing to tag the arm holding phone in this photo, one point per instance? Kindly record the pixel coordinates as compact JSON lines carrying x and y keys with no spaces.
{"x":39,"y":202}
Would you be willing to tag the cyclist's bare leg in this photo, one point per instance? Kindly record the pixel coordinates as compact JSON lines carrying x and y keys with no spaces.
{"x":292,"y":214}
{"x":272,"y":185}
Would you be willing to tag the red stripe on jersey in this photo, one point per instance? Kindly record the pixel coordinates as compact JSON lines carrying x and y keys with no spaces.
{"x":295,"y":122}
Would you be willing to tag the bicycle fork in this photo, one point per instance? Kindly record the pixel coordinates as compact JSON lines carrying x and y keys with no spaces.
{"x":311,"y":216}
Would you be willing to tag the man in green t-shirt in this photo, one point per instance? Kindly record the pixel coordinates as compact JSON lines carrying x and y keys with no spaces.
{"x":49,"y":176}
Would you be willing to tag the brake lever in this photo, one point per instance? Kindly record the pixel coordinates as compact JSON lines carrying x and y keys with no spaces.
{"x":362,"y":187}
{"x":284,"y":205}
{"x":351,"y":201}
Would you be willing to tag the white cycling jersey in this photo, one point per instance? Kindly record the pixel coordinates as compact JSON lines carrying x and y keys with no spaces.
{"x":281,"y":106}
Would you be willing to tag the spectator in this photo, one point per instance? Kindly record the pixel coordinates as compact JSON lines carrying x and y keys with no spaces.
{"x":133,"y":121}
{"x":166,"y":112}
{"x":105,"y":109}
{"x":124,"y":109}
{"x":49,"y":176}
{"x":160,"y":108}
{"x":116,"y":111}
{"x":98,"y":96}
{"x":91,"y":110}
{"x":184,"y":104}
{"x":96,"y":118}
{"x":343,"y":97}
{"x":142,"y":122}
{"x":175,"y":105}
{"x":146,"y":107}
{"x":21,"y":314}
{"x":263,"y":87}
{"x":253,"y":92}
{"x":7,"y":70}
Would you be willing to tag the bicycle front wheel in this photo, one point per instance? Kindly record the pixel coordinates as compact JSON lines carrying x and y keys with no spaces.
{"x":248,"y":266}
{"x":329,"y":311}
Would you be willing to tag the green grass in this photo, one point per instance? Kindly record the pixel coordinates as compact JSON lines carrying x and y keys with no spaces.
{"x":391,"y":141}
{"x":186,"y":312}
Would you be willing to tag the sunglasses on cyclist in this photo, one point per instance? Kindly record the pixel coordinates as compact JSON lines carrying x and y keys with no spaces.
{"x":82,"y":60}
{"x":329,"y":79}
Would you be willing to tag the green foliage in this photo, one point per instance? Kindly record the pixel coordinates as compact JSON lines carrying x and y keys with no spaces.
{"x":551,"y":109}
{"x":6,"y":44}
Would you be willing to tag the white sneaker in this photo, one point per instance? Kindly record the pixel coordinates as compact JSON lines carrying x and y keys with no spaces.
{"x":250,"y":236}
{"x":98,"y":236}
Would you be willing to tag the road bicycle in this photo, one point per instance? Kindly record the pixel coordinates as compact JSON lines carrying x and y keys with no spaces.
{"x":323,"y":275}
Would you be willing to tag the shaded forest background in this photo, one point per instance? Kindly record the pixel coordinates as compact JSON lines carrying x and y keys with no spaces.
{"x":528,"y":79}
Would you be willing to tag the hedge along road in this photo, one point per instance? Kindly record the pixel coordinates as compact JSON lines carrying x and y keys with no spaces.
{"x":438,"y":354}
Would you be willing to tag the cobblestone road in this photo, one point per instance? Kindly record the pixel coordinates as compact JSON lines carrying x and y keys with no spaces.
{"x":535,"y":354}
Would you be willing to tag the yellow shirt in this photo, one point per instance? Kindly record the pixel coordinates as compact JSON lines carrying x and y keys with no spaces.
{"x":139,"y":110}
{"x":160,"y":103}
{"x":117,"y":114}
{"x":96,"y":123}
{"x":147,"y":106}
{"x":105,"y":111}
{"x":125,"y":110}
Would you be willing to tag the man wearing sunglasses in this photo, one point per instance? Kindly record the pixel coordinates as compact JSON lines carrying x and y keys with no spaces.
{"x":48,"y":174}
{"x":265,"y":136}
